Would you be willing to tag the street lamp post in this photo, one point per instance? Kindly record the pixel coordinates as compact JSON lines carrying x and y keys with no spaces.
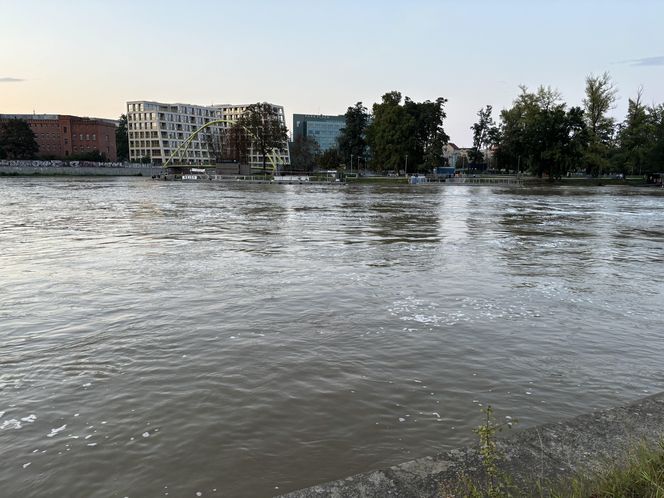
{"x":351,"y":163}
{"x":406,"y":165}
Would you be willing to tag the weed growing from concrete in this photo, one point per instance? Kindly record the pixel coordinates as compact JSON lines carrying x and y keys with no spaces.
{"x":498,"y":484}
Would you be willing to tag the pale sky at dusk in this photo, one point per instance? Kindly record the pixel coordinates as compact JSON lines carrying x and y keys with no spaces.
{"x":89,"y":57}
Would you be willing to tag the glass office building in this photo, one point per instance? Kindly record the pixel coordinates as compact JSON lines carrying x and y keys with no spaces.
{"x":324,"y":129}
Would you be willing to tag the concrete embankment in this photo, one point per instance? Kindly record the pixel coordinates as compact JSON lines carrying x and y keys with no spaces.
{"x":535,"y":459}
{"x":75,"y":168}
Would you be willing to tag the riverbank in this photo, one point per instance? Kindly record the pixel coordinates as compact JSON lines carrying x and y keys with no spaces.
{"x":535,"y":460}
{"x":86,"y":168}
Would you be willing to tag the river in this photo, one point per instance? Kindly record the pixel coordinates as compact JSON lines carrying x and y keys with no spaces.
{"x":203,"y":339}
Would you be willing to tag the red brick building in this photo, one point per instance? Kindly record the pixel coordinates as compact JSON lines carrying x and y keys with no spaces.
{"x":61,"y":136}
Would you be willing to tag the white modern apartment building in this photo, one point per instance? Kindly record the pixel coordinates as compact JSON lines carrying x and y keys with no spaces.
{"x":156,"y":130}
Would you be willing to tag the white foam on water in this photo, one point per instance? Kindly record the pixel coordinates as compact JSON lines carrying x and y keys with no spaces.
{"x":88,"y":436}
{"x":87,"y":384}
{"x":76,"y":414}
{"x":30,"y":418}
{"x":198,"y":493}
{"x":2,"y":414}
{"x":402,"y":419}
{"x":27,"y":464}
{"x":146,"y":434}
{"x":436,"y":414}
{"x":55,"y":431}
{"x":92,"y":444}
{"x":11,"y":424}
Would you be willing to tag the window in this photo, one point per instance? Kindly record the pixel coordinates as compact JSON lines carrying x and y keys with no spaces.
{"x":87,"y":136}
{"x":94,"y":137}
{"x":81,"y":137}
{"x":65,"y":129}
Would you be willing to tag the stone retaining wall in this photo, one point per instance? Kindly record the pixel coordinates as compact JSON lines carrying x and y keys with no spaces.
{"x":76,"y":168}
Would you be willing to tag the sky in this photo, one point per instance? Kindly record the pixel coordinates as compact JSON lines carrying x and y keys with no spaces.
{"x":89,"y":57}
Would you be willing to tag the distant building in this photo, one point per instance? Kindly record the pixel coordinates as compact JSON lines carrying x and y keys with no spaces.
{"x":454,"y":154}
{"x":61,"y":136}
{"x":156,"y":130}
{"x":324,"y":129}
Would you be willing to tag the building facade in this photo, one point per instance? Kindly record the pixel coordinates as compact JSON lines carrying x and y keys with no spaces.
{"x":61,"y":136}
{"x":157,"y":130}
{"x":324,"y":129}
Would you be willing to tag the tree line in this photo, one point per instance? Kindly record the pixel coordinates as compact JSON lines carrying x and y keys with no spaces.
{"x":541,"y":134}
{"x":399,"y":134}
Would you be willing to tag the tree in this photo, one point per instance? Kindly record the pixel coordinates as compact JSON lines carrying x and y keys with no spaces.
{"x":409,"y":134}
{"x":391,"y":134}
{"x":122,"y":139}
{"x":539,"y":133}
{"x":635,"y":136}
{"x":485,"y":134}
{"x":330,"y":159}
{"x":655,"y":156}
{"x":600,"y":97}
{"x":266,"y":131}
{"x":352,"y":137}
{"x":17,"y":140}
{"x":237,"y":144}
{"x":214,"y":141}
{"x":430,"y":137}
{"x":304,"y":152}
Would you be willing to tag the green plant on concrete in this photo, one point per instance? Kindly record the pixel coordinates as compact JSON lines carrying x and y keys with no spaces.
{"x":498,"y":484}
{"x":642,"y":477}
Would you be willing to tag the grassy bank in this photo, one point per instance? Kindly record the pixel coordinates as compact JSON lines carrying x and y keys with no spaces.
{"x":642,"y":476}
{"x":635,"y":473}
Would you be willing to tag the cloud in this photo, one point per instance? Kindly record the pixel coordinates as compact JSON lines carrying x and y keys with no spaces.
{"x":10,"y":80}
{"x":647,"y":61}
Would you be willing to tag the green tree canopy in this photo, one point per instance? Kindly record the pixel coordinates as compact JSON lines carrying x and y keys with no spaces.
{"x":485,"y":134}
{"x":266,"y":131}
{"x":330,"y":159}
{"x":636,"y":136}
{"x":122,"y":139}
{"x":352,"y":138}
{"x":408,"y":135}
{"x":599,"y":99}
{"x":304,"y":153}
{"x":17,"y":140}
{"x":538,"y":132}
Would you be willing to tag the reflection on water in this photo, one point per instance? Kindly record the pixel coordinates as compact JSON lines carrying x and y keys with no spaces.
{"x":253,"y":339}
